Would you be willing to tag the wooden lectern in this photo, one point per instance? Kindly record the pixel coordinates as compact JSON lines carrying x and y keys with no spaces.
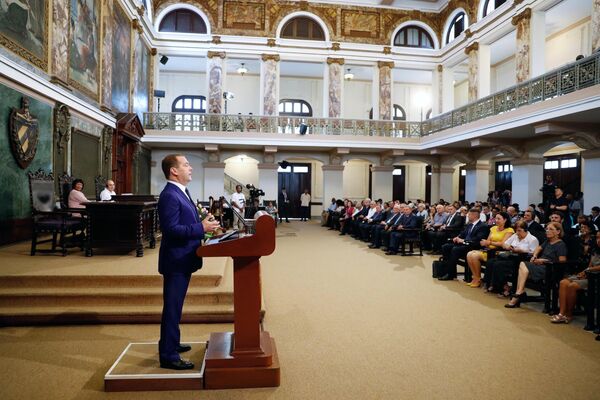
{"x":247,"y":357}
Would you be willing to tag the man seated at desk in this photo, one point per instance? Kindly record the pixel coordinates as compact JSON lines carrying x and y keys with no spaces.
{"x":108,"y":192}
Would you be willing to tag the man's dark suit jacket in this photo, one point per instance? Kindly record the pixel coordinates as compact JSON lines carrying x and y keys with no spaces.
{"x":457,"y":222}
{"x":479,"y":232}
{"x":409,"y":222}
{"x":181,"y":232}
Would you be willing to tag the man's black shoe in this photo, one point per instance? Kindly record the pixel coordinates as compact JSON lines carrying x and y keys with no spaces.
{"x":446,"y":278}
{"x":390,"y":253}
{"x":177,"y":364}
{"x":372,"y":246}
{"x":287,"y":220}
{"x":182,"y":348}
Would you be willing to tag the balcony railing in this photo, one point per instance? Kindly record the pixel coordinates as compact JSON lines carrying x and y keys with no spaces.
{"x":566,"y":79}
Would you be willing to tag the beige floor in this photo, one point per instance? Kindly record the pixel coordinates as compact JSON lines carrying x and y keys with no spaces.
{"x":350,"y":323}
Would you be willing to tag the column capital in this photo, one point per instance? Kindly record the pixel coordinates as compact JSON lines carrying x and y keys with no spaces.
{"x":271,"y":42}
{"x":334,"y":60}
{"x":382,"y":168}
{"x":330,"y":167}
{"x":527,"y":161}
{"x":471,"y":47}
{"x":213,"y":54}
{"x":387,"y":50}
{"x":382,"y":64}
{"x":153,"y":51}
{"x":589,"y":154}
{"x":526,"y":14}
{"x":272,"y":57}
{"x":335,"y":46}
{"x":477,"y":166}
{"x":213,"y":164}
{"x":440,"y":68}
{"x":268,"y":166}
{"x":216,"y":39}
{"x":443,"y":170}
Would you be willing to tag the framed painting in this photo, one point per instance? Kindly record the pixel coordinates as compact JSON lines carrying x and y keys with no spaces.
{"x":141,"y":90}
{"x":121,"y":59}
{"x":24,"y":29}
{"x":84,"y":46}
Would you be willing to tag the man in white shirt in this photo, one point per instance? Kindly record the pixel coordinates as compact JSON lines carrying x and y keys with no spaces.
{"x":305,"y":205}
{"x":238,"y":202}
{"x":108,"y":192}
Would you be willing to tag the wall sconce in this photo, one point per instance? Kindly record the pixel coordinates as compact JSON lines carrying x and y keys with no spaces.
{"x":242,"y":70}
{"x":348,"y":75}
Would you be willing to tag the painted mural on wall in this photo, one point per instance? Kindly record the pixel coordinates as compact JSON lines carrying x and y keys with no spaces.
{"x":141,"y":65}
{"x":24,"y":29}
{"x":121,"y":59}
{"x":84,"y":48}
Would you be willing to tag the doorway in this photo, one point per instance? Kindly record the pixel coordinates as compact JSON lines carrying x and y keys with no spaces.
{"x":399,"y":182}
{"x":295,"y":178}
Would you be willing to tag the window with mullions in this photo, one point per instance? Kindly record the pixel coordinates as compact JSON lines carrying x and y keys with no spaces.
{"x":189,"y":104}
{"x":503,"y":176}
{"x":294,"y":108}
{"x":457,"y":26}
{"x":302,"y":28}
{"x":182,"y":21}
{"x":413,"y":36}
{"x":491,"y":5}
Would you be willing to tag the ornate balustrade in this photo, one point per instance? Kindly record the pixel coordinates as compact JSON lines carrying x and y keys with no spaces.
{"x":566,"y":79}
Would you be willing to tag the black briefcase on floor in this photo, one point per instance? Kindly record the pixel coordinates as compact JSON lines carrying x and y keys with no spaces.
{"x":438,"y":268}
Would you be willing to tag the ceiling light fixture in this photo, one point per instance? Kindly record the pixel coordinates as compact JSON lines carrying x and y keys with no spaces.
{"x":348,"y":75}
{"x":242,"y":70}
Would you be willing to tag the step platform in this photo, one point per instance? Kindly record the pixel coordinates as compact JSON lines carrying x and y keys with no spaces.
{"x":138,"y":369}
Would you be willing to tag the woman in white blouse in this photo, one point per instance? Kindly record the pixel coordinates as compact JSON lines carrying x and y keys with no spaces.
{"x":499,"y":269}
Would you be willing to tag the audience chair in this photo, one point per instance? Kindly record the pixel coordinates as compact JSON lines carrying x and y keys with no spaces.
{"x":47,"y":220}
{"x":418,"y":240}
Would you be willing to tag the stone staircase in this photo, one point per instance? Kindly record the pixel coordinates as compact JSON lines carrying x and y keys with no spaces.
{"x":91,"y":299}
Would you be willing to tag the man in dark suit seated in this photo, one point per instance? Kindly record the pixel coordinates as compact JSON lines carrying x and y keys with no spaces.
{"x":368,"y":224}
{"x":386,"y":234}
{"x":533,"y":227}
{"x":466,"y":241}
{"x":182,"y":232}
{"x":384,"y":226}
{"x":454,"y":223}
{"x":408,"y":221}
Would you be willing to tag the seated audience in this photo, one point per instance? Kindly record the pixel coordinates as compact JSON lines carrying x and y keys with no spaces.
{"x":451,"y":226}
{"x":405,"y":230}
{"x":384,"y":227}
{"x":499,"y":233}
{"x":270,"y":209}
{"x":500,"y":268}
{"x":348,"y":212}
{"x":369,"y":223}
{"x":551,"y":251}
{"x":108,"y":192}
{"x":567,"y":295}
{"x":469,"y":239}
{"x":595,"y":217}
{"x":337,"y":213}
{"x":76,"y":196}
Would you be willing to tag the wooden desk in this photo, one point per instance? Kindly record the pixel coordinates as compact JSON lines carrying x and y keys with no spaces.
{"x":121,"y":225}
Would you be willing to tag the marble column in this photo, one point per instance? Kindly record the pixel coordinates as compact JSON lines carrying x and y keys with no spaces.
{"x":447,"y":89}
{"x":591,"y":178}
{"x":333,"y":183}
{"x":537,"y":47}
{"x":477,"y":181}
{"x":385,"y":89}
{"x":59,"y":49}
{"x":215,"y":79}
{"x":382,"y":182}
{"x":522,"y":22}
{"x":479,"y":70}
{"x":527,"y":178}
{"x":214,"y":179}
{"x":335,"y":84}
{"x":267,"y":180}
{"x":445,"y":176}
{"x":437,"y":90}
{"x":595,"y":25}
{"x":269,"y":84}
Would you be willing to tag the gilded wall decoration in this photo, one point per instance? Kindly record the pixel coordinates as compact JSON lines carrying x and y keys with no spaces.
{"x":121,"y":59}
{"x":59,"y":51}
{"x":360,"y":24}
{"x":244,"y":15}
{"x":62,"y":126}
{"x":24,"y":29}
{"x":84,"y":50}
{"x":23,"y":134}
{"x":209,"y":7}
{"x":107,"y":48}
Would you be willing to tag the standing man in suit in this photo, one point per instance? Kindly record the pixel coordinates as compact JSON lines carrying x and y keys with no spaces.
{"x":284,"y":205}
{"x":182,"y":232}
{"x":468,"y":240}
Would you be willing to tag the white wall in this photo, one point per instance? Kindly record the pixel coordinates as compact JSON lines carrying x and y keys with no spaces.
{"x":307,"y":89}
{"x":356,"y":102}
{"x":242,"y":169}
{"x":461,"y":93}
{"x":356,"y":179}
{"x":247,"y":94}
{"x":406,"y":95}
{"x":196,"y":159}
{"x":564,"y":46}
{"x":177,"y":84}
{"x":503,"y":75}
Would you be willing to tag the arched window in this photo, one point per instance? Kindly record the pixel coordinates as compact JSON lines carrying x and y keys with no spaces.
{"x":294,"y":108}
{"x":399,"y":114}
{"x":457,"y":26}
{"x":188,"y":103}
{"x":302,"y":28}
{"x":413,"y":36}
{"x":491,"y":5}
{"x":183,"y":21}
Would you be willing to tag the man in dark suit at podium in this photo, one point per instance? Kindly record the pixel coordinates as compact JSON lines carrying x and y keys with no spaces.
{"x":182,"y":231}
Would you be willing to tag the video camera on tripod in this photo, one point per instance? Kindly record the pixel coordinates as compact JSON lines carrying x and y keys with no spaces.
{"x":254,"y":192}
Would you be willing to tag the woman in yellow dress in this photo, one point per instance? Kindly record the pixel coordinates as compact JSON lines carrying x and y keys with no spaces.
{"x":498,"y":235}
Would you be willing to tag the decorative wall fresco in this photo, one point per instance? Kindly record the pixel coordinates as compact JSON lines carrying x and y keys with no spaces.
{"x":360,"y":24}
{"x":244,"y":15}
{"x":84,"y":50}
{"x":142,"y":74}
{"x":121,"y":59}
{"x":24,"y":29}
{"x":60,"y":41}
